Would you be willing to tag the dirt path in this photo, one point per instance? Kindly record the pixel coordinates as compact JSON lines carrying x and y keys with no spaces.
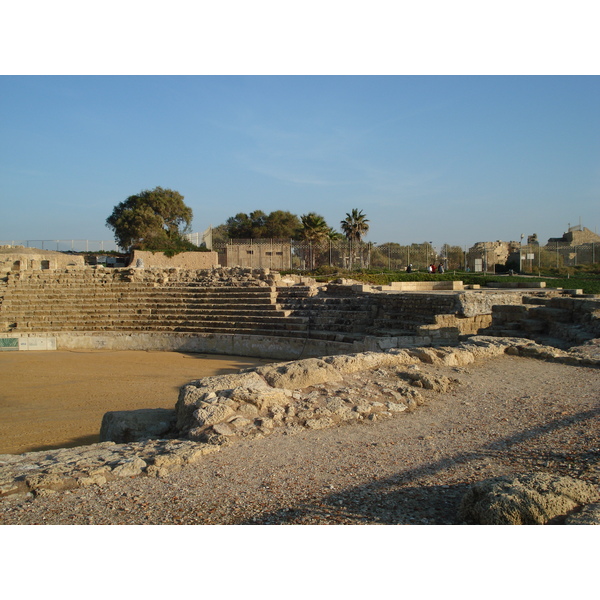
{"x":57,"y":399}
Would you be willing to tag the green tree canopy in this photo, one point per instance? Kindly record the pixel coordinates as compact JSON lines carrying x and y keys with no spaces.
{"x":278,"y":224}
{"x":355,"y":225}
{"x":151,"y":220}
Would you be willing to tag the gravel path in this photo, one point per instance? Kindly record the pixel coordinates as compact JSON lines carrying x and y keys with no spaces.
{"x":506,"y":416}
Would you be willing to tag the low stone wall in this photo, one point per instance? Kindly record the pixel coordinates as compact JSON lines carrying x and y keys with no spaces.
{"x":185,"y":260}
{"x":228,"y":344}
{"x":209,"y":343}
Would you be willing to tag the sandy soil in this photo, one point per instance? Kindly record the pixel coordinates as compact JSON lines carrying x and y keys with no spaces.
{"x":57,"y":399}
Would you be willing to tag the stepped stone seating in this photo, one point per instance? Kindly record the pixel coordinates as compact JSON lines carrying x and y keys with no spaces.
{"x":573,"y":320}
{"x":257,"y":302}
{"x":78,"y":302}
{"x":328,"y":318}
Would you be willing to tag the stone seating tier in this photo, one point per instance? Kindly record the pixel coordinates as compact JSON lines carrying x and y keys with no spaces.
{"x":570,"y":319}
{"x":75,"y":305}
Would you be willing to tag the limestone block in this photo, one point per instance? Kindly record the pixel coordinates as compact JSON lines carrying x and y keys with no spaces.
{"x":395,"y":407}
{"x":134,"y":425}
{"x":261,"y":399}
{"x":531,"y":499}
{"x":249,"y":411}
{"x":224,"y":429}
{"x":130,"y":467}
{"x":191,"y":395}
{"x":299,"y":374}
{"x":212,"y":414}
{"x":322,"y":423}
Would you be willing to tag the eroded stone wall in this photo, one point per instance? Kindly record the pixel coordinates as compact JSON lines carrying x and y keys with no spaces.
{"x":184,"y":260}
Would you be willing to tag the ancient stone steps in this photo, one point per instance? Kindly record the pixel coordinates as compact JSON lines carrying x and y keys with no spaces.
{"x":151,"y":320}
{"x":147,"y":307}
{"x":142,"y":325}
{"x":547,"y":313}
{"x":148,"y":292}
{"x":532,"y":325}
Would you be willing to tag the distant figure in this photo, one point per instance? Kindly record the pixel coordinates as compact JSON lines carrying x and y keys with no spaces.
{"x":441,"y":269}
{"x":139,"y":263}
{"x":429,"y":269}
{"x":432,"y":268}
{"x":409,"y":268}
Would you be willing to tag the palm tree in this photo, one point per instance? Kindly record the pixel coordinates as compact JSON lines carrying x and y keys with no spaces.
{"x":314,"y":228}
{"x":315,"y":231}
{"x":355,"y":225}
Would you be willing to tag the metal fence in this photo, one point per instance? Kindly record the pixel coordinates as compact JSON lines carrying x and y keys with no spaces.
{"x":284,"y":254}
{"x":342,"y":254}
{"x":557,"y":255}
{"x":66,"y":245}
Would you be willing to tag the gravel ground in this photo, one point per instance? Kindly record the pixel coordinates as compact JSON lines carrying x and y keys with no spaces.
{"x":506,"y":416}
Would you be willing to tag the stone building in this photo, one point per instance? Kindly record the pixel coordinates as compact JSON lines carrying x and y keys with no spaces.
{"x":262,"y":254}
{"x":576,"y":236}
{"x":485,"y":256}
{"x":21,"y":258}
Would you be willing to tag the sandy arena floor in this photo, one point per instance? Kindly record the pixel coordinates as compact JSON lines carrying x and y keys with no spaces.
{"x":57,"y":399}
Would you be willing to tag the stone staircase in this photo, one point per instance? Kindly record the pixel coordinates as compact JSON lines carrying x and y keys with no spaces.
{"x":406,"y":314}
{"x":78,"y":303}
{"x":569,"y":320}
{"x":333,"y":318}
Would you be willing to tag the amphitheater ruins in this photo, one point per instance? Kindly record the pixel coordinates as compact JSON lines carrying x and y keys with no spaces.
{"x":327,"y":335}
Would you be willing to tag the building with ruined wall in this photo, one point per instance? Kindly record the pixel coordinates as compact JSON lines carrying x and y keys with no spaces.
{"x":21,"y":258}
{"x":576,"y":236}
{"x":484,"y":256}
{"x":184,"y":260}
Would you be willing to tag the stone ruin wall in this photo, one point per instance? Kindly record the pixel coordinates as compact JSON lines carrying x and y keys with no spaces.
{"x":18,"y":259}
{"x":183,"y":260}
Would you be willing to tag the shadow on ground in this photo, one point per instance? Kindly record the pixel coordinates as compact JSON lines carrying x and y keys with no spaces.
{"x":401,"y":500}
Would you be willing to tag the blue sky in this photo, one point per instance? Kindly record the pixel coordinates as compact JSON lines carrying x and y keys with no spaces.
{"x":448,"y":159}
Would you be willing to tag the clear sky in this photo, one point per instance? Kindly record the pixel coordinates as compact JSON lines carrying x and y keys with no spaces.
{"x":448,"y":159}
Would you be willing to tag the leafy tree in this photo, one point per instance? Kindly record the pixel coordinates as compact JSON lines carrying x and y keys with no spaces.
{"x":152,"y":220}
{"x":279,"y":224}
{"x":239,"y":226}
{"x":355,"y":225}
{"x":219,"y":234}
{"x":282,"y":224}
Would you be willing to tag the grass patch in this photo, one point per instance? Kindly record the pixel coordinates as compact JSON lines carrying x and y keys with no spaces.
{"x":588,"y":282}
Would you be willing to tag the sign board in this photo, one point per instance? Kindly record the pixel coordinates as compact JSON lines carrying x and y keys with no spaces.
{"x":9,"y":344}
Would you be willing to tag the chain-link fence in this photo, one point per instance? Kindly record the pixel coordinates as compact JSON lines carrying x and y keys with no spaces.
{"x":341,"y":254}
{"x":556,"y":255}
{"x":286,"y":254}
